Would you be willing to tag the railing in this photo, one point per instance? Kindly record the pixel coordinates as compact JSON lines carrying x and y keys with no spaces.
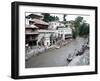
{"x":32,"y":38}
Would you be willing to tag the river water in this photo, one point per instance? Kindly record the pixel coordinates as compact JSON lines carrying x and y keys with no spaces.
{"x":56,"y":57}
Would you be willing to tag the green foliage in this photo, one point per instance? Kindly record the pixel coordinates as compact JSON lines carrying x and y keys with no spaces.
{"x":81,"y":28}
{"x":84,"y":29}
{"x":77,"y":24}
{"x":48,"y":17}
{"x":64,"y":17}
{"x":78,"y":21}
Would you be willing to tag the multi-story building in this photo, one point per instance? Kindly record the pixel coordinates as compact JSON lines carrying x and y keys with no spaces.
{"x":39,"y":32}
{"x":44,"y":37}
{"x":62,"y":31}
{"x":34,"y":24}
{"x":31,"y":34}
{"x":70,"y":24}
{"x":54,"y":24}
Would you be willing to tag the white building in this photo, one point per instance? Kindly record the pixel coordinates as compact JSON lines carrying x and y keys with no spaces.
{"x":61,"y":31}
{"x":44,"y":37}
{"x":64,"y":32}
{"x":54,"y":24}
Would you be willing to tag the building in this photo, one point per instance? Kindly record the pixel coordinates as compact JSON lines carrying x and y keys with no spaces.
{"x":70,"y":24}
{"x":40,"y":24}
{"x":34,"y":26}
{"x":41,"y":33}
{"x":44,"y":37}
{"x":54,"y":24}
{"x":31,"y":35}
{"x":62,"y":29}
{"x":31,"y":32}
{"x":36,"y":19}
{"x":64,"y":32}
{"x":30,"y":17}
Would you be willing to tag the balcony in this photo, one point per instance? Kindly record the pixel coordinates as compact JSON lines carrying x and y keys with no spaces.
{"x":30,"y":32}
{"x":32,"y":38}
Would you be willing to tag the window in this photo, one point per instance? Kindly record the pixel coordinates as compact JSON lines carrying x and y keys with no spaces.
{"x":31,"y":22}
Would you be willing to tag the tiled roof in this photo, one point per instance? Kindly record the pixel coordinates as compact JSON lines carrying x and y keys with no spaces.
{"x":31,"y":26}
{"x":34,"y":16}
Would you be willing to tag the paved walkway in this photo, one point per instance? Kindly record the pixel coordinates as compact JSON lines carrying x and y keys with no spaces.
{"x":55,"y":57}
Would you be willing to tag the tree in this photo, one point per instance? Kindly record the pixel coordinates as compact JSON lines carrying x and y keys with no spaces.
{"x":48,"y":17}
{"x":78,"y":21}
{"x":56,"y":18}
{"x":77,"y":24}
{"x":81,"y":27}
{"x":64,"y":17}
{"x":84,"y":29}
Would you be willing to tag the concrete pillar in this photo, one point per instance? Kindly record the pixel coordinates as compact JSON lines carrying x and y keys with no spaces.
{"x":37,"y":43}
{"x":63,"y":36}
